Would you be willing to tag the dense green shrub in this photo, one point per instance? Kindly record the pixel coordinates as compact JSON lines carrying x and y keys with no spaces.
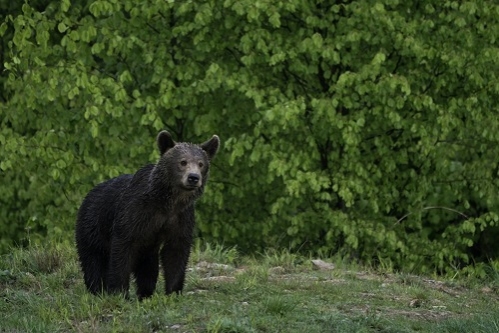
{"x":337,"y":120}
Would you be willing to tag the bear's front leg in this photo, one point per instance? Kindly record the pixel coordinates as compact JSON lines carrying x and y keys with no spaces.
{"x":120,"y":266}
{"x":146,"y":271}
{"x":174,"y":257}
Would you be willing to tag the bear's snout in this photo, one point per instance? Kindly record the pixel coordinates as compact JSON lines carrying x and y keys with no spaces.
{"x":193,"y":179}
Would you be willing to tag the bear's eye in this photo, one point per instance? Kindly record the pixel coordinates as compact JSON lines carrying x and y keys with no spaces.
{"x":183,"y":163}
{"x":201,"y":164}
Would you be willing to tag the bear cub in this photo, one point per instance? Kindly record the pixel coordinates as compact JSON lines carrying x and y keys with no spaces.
{"x":126,"y":225}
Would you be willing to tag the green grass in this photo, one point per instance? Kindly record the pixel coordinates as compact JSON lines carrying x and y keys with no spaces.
{"x":41,"y":290}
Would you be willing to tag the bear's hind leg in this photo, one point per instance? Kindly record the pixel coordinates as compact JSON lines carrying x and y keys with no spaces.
{"x":94,"y":266}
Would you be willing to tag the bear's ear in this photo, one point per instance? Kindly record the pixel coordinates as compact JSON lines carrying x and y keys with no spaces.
{"x":165,"y":142}
{"x":211,"y":146}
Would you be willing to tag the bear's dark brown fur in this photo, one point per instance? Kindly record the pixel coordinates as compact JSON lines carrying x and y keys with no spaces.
{"x":126,"y":225}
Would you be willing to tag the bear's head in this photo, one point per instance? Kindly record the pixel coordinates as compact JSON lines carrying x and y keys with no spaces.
{"x":185,"y":166}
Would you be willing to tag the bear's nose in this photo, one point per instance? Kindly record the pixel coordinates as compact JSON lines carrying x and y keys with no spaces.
{"x":193,"y":178}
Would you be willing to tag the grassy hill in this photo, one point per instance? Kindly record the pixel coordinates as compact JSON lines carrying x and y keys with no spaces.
{"x":41,"y":290}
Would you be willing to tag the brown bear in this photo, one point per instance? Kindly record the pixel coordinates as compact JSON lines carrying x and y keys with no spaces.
{"x":129,"y":223}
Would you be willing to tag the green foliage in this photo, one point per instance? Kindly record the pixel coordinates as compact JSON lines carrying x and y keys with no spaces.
{"x":337,"y":120}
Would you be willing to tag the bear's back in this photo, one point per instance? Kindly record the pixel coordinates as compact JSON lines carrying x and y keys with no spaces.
{"x":100,"y":207}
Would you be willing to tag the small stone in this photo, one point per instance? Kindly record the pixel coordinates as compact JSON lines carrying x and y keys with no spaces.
{"x":221,"y":278}
{"x":204,"y":265}
{"x":415,"y":303}
{"x":278,"y":270}
{"x":322,"y":265}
